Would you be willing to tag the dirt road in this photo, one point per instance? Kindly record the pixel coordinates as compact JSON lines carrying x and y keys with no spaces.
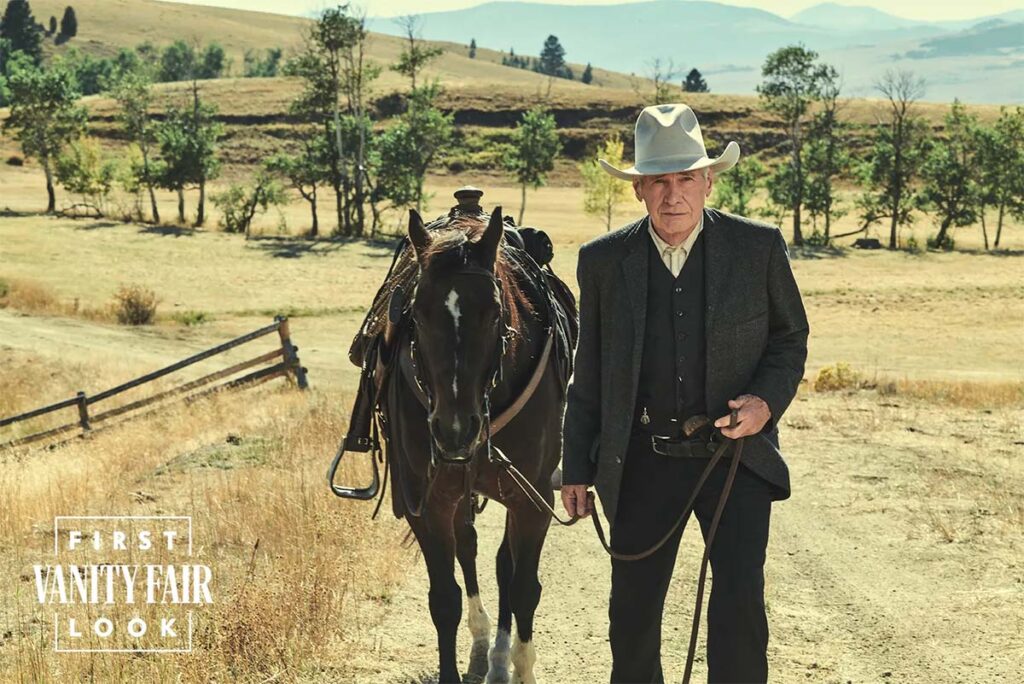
{"x":898,"y":559}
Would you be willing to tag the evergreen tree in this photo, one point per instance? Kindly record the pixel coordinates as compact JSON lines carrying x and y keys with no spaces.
{"x":69,"y":23}
{"x":552,"y":58}
{"x":472,"y":48}
{"x":53,"y":25}
{"x":18,"y":26}
{"x":694,"y":82}
{"x":588,"y":75}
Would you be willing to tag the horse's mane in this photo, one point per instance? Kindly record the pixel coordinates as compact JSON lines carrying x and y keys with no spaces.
{"x":447,"y":235}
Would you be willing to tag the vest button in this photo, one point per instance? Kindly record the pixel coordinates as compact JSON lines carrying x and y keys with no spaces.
{"x":680,"y":313}
{"x":679,"y":289}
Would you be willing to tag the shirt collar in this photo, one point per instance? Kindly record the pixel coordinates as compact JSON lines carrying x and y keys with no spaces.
{"x":686,"y":244}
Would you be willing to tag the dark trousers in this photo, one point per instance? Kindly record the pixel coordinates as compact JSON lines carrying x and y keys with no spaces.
{"x":653,"y":493}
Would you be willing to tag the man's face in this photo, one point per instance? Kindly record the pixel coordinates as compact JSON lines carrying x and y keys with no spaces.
{"x":675,"y":200}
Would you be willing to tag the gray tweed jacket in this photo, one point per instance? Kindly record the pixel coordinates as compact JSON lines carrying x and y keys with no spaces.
{"x":756,"y":335}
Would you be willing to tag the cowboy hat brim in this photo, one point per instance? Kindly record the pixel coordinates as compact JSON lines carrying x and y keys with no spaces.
{"x":675,"y":164}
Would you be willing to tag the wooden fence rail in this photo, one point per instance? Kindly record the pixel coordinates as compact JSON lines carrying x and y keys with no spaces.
{"x":289,"y":364}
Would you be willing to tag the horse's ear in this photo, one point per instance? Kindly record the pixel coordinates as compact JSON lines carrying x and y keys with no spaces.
{"x":418,"y":234}
{"x":487,"y":247}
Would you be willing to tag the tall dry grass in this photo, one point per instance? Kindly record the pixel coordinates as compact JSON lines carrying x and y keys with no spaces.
{"x":296,"y":571}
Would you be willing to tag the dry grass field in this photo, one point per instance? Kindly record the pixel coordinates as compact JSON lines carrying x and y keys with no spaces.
{"x":896,"y":560}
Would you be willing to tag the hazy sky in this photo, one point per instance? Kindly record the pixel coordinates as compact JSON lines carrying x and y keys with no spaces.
{"x":911,"y":9}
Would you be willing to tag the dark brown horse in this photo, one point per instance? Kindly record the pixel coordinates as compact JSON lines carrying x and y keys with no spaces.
{"x":475,"y":376}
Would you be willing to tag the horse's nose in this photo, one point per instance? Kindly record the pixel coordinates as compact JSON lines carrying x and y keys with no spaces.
{"x":456,"y":435}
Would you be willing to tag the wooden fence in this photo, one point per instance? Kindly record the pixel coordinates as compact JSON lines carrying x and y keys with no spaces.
{"x":288,"y":364}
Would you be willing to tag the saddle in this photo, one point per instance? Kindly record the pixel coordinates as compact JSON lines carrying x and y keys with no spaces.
{"x":377,"y":355}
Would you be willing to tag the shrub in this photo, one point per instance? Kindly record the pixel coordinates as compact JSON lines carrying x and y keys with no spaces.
{"x":837,"y":377}
{"x":240,"y":204}
{"x":913,"y":246}
{"x":4,"y":288}
{"x":947,"y":242}
{"x":816,"y":239}
{"x":135,"y":305}
{"x":191,"y":317}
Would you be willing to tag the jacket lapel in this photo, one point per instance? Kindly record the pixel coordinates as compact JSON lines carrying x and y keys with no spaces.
{"x":717,"y":265}
{"x":634,"y":270}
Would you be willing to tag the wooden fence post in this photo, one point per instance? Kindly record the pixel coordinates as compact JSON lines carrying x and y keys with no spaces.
{"x":83,"y":411}
{"x":291,"y":356}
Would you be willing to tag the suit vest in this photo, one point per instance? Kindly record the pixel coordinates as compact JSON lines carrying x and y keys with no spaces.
{"x":671,"y":386}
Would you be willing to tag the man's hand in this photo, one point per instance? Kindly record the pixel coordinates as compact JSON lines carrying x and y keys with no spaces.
{"x":752,"y":416}
{"x":577,"y":500}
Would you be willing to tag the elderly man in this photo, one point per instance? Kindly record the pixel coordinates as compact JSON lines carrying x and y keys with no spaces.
{"x":689,"y":311}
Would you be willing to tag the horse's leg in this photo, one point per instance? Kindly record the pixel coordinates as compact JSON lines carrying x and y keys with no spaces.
{"x":479,"y":621}
{"x":436,"y":537}
{"x":529,"y":529}
{"x":499,"y":660}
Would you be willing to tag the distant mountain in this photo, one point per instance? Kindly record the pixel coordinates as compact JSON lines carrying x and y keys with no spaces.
{"x":989,"y":37}
{"x":851,"y":18}
{"x":977,"y":63}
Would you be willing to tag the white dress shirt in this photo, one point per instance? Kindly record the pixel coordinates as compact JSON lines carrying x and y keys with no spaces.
{"x":675,"y":257}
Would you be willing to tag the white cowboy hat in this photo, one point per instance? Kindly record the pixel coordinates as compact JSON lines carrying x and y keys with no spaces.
{"x":668,"y":140}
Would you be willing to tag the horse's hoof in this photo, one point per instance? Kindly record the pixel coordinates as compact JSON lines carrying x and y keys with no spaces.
{"x":498,"y":677}
{"x":478,"y":660}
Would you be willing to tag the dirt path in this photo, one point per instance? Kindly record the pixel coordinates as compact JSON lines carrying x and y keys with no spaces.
{"x":898,"y":559}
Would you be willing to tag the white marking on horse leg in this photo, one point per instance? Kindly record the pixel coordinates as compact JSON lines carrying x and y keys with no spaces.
{"x":479,"y":621}
{"x":524,"y":656}
{"x":498,"y":671}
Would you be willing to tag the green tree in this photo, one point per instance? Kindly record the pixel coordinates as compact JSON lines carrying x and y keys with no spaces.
{"x":337,"y":78}
{"x":177,"y":62}
{"x":422,"y":132}
{"x":305,"y":171}
{"x":69,"y":23}
{"x":894,"y":159}
{"x":256,"y":66}
{"x":188,"y":145}
{"x":472,"y":48}
{"x":1000,"y":160}
{"x":18,"y":27}
{"x":793,"y":79}
{"x":92,"y":75}
{"x":735,"y":190}
{"x":588,"y":75}
{"x":240,"y":204}
{"x":535,"y":145}
{"x":214,"y":62}
{"x":132,"y":92}
{"x":45,"y":115}
{"x":552,"y":58}
{"x":84,"y":170}
{"x":827,"y":159}
{"x":949,"y":173}
{"x":695,"y":82}
{"x":602,"y":192}
{"x":415,"y":56}
{"x":53,"y":26}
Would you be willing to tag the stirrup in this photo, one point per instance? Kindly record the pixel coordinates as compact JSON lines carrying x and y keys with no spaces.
{"x":360,"y":493}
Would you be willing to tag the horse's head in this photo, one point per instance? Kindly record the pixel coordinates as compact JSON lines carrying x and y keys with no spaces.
{"x":459,"y":331}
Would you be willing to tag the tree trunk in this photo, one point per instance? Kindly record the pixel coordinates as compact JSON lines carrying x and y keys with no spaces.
{"x":152,"y":204}
{"x":315,"y":230}
{"x":798,"y":238}
{"x":51,"y":196}
{"x":940,"y":239}
{"x":999,"y":223}
{"x":522,"y":206}
{"x":984,"y":230}
{"x":181,"y":206}
{"x":201,"y":212}
{"x":149,"y":185}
